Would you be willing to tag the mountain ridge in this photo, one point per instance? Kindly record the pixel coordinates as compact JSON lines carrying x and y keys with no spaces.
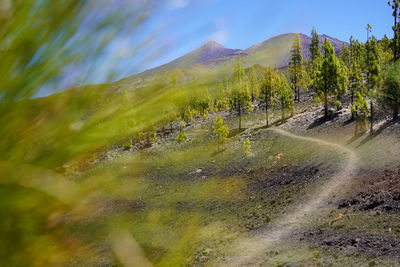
{"x":212,"y":52}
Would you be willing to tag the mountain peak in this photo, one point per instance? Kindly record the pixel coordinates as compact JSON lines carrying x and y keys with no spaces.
{"x":212,"y":44}
{"x":211,"y":50}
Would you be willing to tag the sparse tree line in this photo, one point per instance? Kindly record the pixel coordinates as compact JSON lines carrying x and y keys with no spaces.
{"x":368,"y":74}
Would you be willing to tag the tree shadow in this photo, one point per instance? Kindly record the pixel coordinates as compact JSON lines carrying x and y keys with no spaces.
{"x":355,"y":138}
{"x":235,"y":132}
{"x":377,"y":132}
{"x":350,"y":120}
{"x":216,"y":153}
{"x":322,"y":120}
{"x":281,"y":121}
{"x":275,"y":123}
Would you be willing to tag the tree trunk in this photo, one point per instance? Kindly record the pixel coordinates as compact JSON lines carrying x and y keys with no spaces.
{"x":326,"y":103}
{"x":371,"y":129}
{"x":396,"y":111}
{"x":266,"y":112}
{"x":240,"y":118}
{"x":352,"y":101}
{"x":395,"y":36}
{"x":298,"y":94}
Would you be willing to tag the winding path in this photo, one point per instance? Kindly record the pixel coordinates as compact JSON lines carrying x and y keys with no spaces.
{"x":250,"y":251}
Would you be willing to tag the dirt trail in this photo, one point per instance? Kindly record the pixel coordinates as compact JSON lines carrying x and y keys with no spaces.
{"x":250,"y":251}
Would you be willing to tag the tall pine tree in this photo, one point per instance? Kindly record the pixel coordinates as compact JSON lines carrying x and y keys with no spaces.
{"x":239,"y":98}
{"x":372,"y":72}
{"x":390,"y":94}
{"x":329,"y":79}
{"x":285,"y":96}
{"x":315,"y":49}
{"x":269,"y":90}
{"x":315,"y":58}
{"x":296,"y":67}
{"x":395,"y":5}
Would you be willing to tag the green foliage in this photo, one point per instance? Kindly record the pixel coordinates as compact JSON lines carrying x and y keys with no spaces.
{"x":238,"y":78}
{"x":199,"y":105}
{"x":338,"y":105}
{"x":315,"y":50}
{"x":345,"y":56}
{"x":128,"y":145}
{"x":331,"y":78}
{"x":253,"y":83}
{"x":285,"y":96}
{"x":385,"y":51}
{"x":221,"y":130}
{"x":296,"y":67}
{"x":360,"y":111}
{"x":268,"y":90}
{"x":341,"y":90}
{"x":357,"y":52}
{"x":390,"y":93}
{"x":395,"y":5}
{"x":239,"y":96}
{"x":356,"y":80}
{"x":372,"y":63}
{"x":174,"y":78}
{"x":181,"y":137}
{"x":246,"y":147}
{"x":240,"y":102}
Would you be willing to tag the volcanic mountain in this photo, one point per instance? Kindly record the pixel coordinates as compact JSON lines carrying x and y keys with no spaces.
{"x":212,"y":57}
{"x":273,"y":52}
{"x":206,"y":53}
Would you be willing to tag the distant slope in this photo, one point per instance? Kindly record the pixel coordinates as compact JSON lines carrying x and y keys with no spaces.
{"x":206,"y":53}
{"x":212,"y":56}
{"x":275,"y":51}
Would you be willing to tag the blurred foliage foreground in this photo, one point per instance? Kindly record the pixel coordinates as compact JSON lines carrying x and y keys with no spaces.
{"x":47,"y":217}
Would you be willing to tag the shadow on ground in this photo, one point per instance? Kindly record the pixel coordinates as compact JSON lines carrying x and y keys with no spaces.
{"x":377,"y":132}
{"x":322,"y":120}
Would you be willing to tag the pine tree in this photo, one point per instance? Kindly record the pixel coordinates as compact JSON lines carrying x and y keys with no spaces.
{"x":360,"y":111}
{"x":182,"y":135}
{"x":296,"y":66}
{"x":268,"y":90}
{"x":221,"y":130}
{"x":345,"y":56}
{"x":372,"y":72}
{"x":253,"y":83}
{"x":357,"y":52}
{"x":315,"y":50}
{"x":341,"y":89}
{"x":329,"y":80}
{"x":356,"y":80}
{"x":247,"y":147}
{"x":315,"y":58}
{"x":238,"y":78}
{"x":240,"y":102}
{"x":390,"y":94}
{"x":285,"y":96}
{"x":239,"y":98}
{"x":395,"y":5}
{"x":385,"y":51}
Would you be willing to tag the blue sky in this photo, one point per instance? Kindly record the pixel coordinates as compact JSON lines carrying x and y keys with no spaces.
{"x":176,"y":27}
{"x":186,"y":24}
